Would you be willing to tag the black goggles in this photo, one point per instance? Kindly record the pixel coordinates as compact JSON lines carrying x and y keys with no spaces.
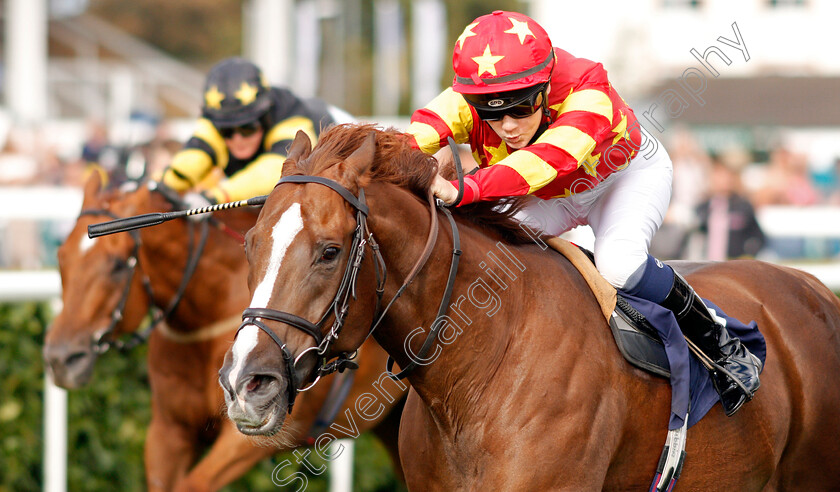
{"x":517,"y":104}
{"x":244,"y":130}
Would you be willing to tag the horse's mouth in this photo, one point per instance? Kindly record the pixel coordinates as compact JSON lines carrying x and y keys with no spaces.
{"x":269,"y":426}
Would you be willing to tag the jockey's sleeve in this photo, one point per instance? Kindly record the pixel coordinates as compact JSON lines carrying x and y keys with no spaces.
{"x":205,"y":148}
{"x":447,"y":115}
{"x":584,"y":119}
{"x":257,"y":178}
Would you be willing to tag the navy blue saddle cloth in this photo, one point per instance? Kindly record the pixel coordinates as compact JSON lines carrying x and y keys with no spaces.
{"x":649,"y":337}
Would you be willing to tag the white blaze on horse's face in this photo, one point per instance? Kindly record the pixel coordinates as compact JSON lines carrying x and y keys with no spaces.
{"x":86,"y":243}
{"x":282,"y":235}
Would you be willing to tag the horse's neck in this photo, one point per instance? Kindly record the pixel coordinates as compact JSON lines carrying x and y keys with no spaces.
{"x":489,"y":289}
{"x":217,"y":288}
{"x":518,"y":317}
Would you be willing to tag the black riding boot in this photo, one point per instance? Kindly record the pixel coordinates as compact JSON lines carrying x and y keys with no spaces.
{"x":736,"y":378}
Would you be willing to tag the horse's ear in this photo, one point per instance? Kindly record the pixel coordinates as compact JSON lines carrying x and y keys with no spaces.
{"x":361,"y":159}
{"x":91,"y":189}
{"x":300,"y":149}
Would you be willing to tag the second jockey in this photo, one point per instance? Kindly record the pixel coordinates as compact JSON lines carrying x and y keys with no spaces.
{"x":245,"y":131}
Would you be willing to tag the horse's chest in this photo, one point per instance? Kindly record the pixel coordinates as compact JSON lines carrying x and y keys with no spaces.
{"x":187,"y":388}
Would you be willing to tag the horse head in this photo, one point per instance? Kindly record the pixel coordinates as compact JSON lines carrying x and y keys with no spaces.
{"x":302,"y":253}
{"x":110,"y":284}
{"x":102,"y":295}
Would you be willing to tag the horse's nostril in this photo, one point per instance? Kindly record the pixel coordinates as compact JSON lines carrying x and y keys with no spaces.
{"x":75,"y":358}
{"x":256,"y":382}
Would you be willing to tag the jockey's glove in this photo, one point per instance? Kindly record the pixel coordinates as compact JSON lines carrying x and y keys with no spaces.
{"x":198,"y":200}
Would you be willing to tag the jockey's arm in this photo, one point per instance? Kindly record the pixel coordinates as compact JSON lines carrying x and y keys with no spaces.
{"x":205,"y":150}
{"x":581,"y":123}
{"x":257,"y":178}
{"x":447,"y":115}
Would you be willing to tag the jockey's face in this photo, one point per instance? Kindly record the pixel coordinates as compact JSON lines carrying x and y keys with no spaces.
{"x":242,"y":147}
{"x":517,"y":132}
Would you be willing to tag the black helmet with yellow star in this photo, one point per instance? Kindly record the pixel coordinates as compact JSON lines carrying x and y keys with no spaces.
{"x":235,"y":94}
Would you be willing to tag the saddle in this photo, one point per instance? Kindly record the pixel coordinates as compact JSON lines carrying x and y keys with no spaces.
{"x":636,"y":339}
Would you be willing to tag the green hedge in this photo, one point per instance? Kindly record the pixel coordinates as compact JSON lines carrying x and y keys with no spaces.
{"x":107,"y":421}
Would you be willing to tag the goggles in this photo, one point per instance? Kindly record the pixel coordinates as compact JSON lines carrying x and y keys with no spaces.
{"x":520,"y":103}
{"x":244,"y":130}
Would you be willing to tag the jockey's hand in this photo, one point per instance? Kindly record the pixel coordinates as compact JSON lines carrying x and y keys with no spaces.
{"x":198,"y":200}
{"x":444,"y":190}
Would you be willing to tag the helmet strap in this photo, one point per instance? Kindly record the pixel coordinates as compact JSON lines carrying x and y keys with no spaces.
{"x":546,"y":120}
{"x":546,"y":113}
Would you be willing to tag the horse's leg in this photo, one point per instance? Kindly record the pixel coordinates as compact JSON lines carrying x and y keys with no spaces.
{"x":388,"y":432}
{"x":230,"y":457}
{"x":169,"y":452}
{"x":424,"y":470}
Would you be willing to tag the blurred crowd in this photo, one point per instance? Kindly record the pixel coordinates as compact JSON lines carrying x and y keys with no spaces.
{"x":718,"y":198}
{"x":714,"y":214}
{"x":29,"y":159}
{"x":26,"y":157}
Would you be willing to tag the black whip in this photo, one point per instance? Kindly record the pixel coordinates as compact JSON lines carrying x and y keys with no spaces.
{"x":146,"y":220}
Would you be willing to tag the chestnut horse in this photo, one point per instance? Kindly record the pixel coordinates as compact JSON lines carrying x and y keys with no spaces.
{"x":523,"y":387}
{"x":187,"y":351}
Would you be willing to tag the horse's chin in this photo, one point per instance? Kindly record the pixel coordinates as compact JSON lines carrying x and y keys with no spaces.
{"x":269,"y":426}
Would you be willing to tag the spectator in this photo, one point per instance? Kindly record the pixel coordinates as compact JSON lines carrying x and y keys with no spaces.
{"x":830,"y":181}
{"x":97,"y":156}
{"x":691,"y":172}
{"x":727,"y":219}
{"x":787,"y":181}
{"x":18,"y":162}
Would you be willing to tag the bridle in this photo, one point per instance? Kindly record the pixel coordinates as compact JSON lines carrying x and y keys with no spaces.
{"x":103,"y":342}
{"x":339,"y":306}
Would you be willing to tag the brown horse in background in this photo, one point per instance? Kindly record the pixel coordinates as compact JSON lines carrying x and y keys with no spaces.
{"x":524,"y":388}
{"x":186,"y":352}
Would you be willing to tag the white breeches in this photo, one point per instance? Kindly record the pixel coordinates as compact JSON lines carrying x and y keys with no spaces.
{"x":625,"y":211}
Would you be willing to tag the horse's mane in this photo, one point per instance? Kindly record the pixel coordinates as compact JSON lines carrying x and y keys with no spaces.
{"x":397,"y":162}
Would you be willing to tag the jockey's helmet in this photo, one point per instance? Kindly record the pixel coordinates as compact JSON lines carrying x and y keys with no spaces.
{"x":501,"y":52}
{"x":235,"y":94}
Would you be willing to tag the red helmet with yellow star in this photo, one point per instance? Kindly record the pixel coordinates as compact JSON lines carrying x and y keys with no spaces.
{"x":235,"y":94}
{"x":501,"y":52}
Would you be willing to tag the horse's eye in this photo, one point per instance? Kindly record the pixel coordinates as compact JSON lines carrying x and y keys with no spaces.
{"x":330,"y":253}
{"x":120,"y":265}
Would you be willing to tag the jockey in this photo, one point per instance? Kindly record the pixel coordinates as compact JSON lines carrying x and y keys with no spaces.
{"x":541,"y":122}
{"x":245,"y":130}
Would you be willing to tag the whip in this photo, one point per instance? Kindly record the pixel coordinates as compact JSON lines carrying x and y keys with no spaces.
{"x":147,"y":220}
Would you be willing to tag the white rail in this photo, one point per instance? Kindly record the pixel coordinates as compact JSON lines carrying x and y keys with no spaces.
{"x":44,"y":286}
